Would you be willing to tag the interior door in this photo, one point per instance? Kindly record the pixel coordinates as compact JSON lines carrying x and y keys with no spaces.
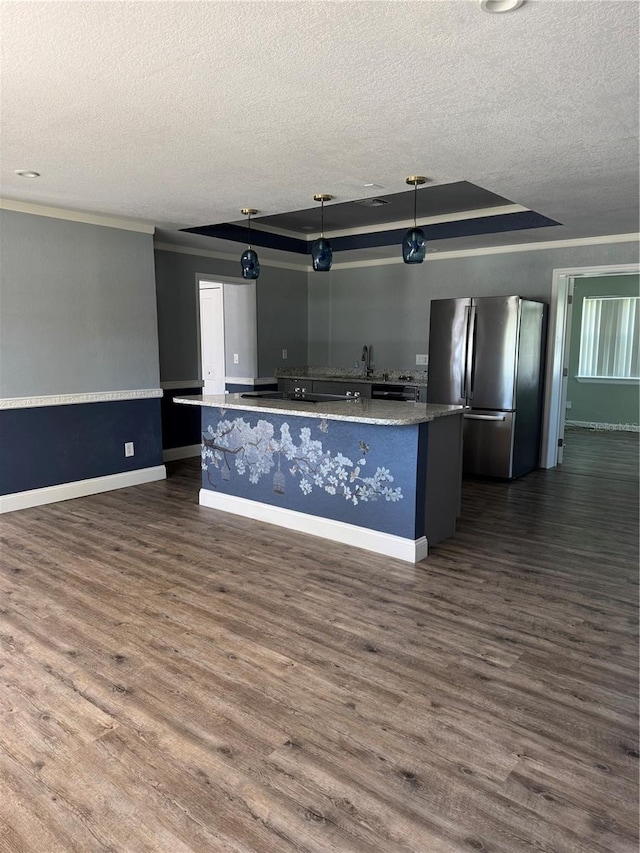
{"x":212,"y":338}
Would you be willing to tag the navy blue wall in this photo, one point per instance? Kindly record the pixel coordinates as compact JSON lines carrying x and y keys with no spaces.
{"x":50,"y":445}
{"x":240,"y":389}
{"x":317,"y":466}
{"x":180,"y":423}
{"x":423,"y":446}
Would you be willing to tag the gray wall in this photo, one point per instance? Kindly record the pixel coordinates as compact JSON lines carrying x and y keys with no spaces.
{"x":600,"y":402}
{"x":282,"y":303}
{"x":77,"y":308}
{"x":281,"y":311}
{"x":240,"y":333}
{"x":387,"y":306}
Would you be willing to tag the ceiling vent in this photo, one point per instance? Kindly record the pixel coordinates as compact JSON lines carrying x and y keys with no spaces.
{"x":372,"y":202}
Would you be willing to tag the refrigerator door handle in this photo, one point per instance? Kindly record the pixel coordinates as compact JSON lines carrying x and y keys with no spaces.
{"x":464,"y":381}
{"x":470,"y":367}
{"x":485,"y":417}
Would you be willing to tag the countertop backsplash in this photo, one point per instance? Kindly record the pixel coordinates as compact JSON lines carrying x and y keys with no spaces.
{"x":405,"y":377}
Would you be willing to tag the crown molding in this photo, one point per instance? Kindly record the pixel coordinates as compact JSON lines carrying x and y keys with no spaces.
{"x":435,"y":256}
{"x":310,"y":236}
{"x":226,"y":256}
{"x":77,"y":216}
{"x":458,"y":216}
{"x":497,"y":250}
{"x":272,"y":229}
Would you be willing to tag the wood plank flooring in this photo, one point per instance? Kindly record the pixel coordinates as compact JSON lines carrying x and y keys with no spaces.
{"x":174,"y":679}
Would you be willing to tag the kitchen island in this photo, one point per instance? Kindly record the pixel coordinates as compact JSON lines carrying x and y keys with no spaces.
{"x":379,"y":475}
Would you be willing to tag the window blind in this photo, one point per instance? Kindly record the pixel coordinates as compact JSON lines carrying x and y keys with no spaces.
{"x":609,"y":337}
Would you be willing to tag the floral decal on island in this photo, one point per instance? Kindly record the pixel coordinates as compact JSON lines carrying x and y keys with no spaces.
{"x":235,"y":446}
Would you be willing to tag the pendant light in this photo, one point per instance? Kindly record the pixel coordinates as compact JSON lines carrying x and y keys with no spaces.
{"x":249,"y":260}
{"x":321,"y":254}
{"x":414,"y":245}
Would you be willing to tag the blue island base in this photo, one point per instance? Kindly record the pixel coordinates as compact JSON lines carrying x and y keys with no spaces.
{"x":369,"y":485}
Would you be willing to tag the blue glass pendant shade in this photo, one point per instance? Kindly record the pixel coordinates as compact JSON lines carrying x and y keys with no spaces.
{"x":250,"y":264}
{"x":321,"y":255}
{"x":414,"y":246}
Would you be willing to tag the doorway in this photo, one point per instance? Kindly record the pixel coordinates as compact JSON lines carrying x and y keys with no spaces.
{"x":212,"y":344}
{"x":558,"y":350}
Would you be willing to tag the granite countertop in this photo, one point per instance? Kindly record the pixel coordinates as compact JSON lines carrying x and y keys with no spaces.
{"x":360,"y":410}
{"x":350,"y":374}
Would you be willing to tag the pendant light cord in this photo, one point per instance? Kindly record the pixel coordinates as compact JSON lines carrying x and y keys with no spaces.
{"x":322,"y":218}
{"x":249,"y":229}
{"x":415,"y":204}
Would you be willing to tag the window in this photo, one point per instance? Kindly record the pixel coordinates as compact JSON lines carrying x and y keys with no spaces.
{"x":609,"y":338}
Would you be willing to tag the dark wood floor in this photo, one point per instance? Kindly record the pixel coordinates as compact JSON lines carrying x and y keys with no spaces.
{"x":174,"y":679}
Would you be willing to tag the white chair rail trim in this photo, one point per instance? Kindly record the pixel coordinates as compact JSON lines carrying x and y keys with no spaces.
{"x":70,"y":399}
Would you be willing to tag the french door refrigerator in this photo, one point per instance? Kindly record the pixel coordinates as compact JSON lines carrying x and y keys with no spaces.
{"x":487,"y":353}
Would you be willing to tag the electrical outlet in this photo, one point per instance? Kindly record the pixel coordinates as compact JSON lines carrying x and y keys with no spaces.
{"x":568,"y":404}
{"x":422,"y":359}
{"x":236,"y":358}
{"x":128,"y":448}
{"x":284,"y":354}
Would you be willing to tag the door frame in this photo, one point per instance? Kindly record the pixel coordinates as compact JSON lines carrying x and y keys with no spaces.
{"x":204,"y":281}
{"x":558,"y":335}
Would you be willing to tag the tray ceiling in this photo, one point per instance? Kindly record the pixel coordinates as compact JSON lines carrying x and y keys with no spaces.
{"x":179,"y":114}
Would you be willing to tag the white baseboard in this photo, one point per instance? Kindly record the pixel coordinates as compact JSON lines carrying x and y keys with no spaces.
{"x":410,"y":550}
{"x":184,"y":452}
{"x":602,"y":427}
{"x":80,"y":488}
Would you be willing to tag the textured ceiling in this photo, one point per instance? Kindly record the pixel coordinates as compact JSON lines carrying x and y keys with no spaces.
{"x":181,"y":113}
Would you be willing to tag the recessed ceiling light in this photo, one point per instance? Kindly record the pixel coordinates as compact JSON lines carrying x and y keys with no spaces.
{"x":376,"y":186}
{"x":500,"y":5}
{"x":25,"y":173}
{"x":308,"y":228}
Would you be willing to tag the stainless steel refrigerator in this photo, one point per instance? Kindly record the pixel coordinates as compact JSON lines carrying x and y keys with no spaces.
{"x":487,"y":353}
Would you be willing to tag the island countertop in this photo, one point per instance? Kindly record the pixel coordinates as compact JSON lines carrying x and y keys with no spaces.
{"x":358,"y":410}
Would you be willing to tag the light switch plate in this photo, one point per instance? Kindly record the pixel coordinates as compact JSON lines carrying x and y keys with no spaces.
{"x":284,"y":355}
{"x":422,"y":359}
{"x":128,"y":448}
{"x":236,"y":358}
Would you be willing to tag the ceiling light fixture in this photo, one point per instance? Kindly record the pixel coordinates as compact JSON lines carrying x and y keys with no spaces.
{"x":497,"y":6}
{"x":321,"y":254}
{"x":25,"y":173}
{"x":414,"y":245}
{"x":249,"y":259}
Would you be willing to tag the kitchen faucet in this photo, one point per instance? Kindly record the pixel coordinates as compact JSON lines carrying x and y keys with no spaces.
{"x":366,"y":358}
